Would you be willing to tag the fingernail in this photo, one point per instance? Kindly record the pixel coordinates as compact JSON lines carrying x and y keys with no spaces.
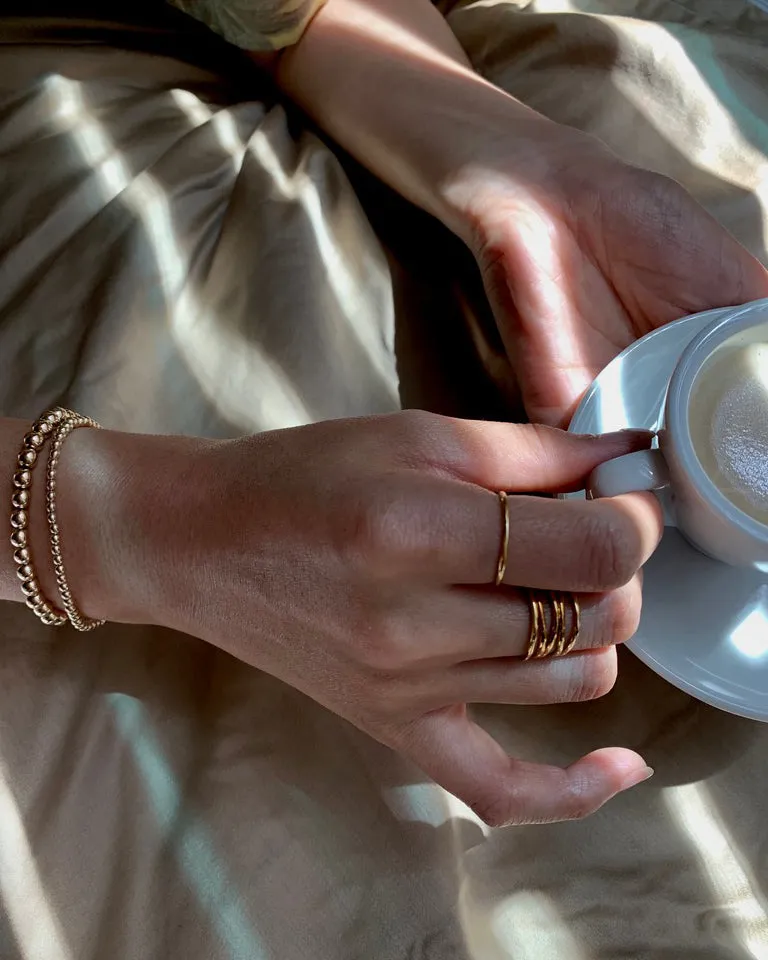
{"x":623,"y":436}
{"x":641,"y":778}
{"x":629,"y":434}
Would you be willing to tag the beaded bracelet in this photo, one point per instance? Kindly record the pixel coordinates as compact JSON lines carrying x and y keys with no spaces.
{"x":54,"y":425}
{"x":76,"y":618}
{"x":22,"y":493}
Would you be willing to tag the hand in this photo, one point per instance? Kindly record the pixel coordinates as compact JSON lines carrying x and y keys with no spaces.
{"x":353,"y":561}
{"x":581,"y":254}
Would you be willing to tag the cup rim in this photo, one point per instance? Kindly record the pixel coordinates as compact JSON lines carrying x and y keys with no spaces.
{"x":681,"y":385}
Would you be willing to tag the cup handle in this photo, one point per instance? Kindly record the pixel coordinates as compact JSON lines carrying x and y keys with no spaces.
{"x":642,"y":470}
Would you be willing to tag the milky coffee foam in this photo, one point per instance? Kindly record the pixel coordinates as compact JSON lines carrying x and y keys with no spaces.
{"x":728,"y":417}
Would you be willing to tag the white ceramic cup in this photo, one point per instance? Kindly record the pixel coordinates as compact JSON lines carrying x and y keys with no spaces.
{"x":702,"y":513}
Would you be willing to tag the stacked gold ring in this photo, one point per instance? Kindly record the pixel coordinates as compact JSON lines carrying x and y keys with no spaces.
{"x":549,"y":634}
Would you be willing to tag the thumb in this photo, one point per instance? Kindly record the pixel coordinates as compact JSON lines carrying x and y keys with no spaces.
{"x":521,"y":458}
{"x":465,"y":760}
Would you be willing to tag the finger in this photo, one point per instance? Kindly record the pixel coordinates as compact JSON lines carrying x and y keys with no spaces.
{"x":473,"y":623}
{"x":516,"y":457}
{"x":453,"y":533}
{"x":565,"y":545}
{"x":502,"y":619}
{"x":573,"y":679}
{"x":470,"y":764}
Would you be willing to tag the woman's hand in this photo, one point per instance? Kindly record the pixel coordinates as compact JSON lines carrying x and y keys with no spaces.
{"x":354,"y":559}
{"x":581,"y":254}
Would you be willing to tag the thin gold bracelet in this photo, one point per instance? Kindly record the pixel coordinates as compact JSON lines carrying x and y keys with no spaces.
{"x":42,"y":429}
{"x":72,"y":422}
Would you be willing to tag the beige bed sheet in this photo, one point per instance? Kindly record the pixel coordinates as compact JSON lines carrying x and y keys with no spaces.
{"x":176,"y":255}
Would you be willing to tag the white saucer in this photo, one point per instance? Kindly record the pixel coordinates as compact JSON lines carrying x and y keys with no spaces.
{"x":704,"y":625}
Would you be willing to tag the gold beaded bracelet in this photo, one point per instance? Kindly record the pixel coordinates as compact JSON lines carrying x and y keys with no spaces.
{"x":76,"y":618}
{"x":20,"y":500}
{"x":55,"y":425}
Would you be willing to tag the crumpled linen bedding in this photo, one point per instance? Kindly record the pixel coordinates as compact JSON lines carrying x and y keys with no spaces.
{"x":179,"y":253}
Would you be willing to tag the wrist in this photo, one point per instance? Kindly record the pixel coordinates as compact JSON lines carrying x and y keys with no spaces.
{"x":120,"y":505}
{"x":388,"y":80}
{"x":526,"y":163}
{"x":497,"y":139}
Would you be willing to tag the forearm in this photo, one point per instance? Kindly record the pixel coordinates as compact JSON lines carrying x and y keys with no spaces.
{"x":389,"y":81}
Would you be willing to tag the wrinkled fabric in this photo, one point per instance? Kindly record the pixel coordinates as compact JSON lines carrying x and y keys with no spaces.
{"x":179,"y":256}
{"x":254,"y":24}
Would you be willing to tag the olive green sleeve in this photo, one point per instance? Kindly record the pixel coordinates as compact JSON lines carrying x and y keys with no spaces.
{"x":254,"y":24}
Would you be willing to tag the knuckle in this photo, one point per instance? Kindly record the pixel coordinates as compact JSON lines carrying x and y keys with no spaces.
{"x":580,"y":803}
{"x":593,"y":678}
{"x":538,"y":438}
{"x":432,"y":443}
{"x":510,"y":806}
{"x":417,"y":432}
{"x":387,"y":697}
{"x":381,"y":529}
{"x":612,"y":548}
{"x":391,"y":650}
{"x":384,"y":705}
{"x":622,"y":616}
{"x":496,"y":809}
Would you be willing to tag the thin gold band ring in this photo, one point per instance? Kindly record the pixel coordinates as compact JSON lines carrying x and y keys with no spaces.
{"x":501,"y":566}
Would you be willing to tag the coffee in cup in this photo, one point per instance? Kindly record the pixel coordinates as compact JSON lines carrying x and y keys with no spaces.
{"x":728,"y":420}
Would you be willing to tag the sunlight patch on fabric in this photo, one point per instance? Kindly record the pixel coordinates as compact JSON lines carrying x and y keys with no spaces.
{"x":191,"y":844}
{"x":349,"y":291}
{"x":246,"y":386}
{"x":38,"y":933}
{"x":352,"y":294}
{"x":693,"y":810}
{"x":525,"y":925}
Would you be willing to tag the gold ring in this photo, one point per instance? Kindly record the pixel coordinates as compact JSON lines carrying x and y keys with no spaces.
{"x":536,"y":635}
{"x":548,"y":635}
{"x":556,"y":637}
{"x":570,"y":643}
{"x":501,"y":566}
